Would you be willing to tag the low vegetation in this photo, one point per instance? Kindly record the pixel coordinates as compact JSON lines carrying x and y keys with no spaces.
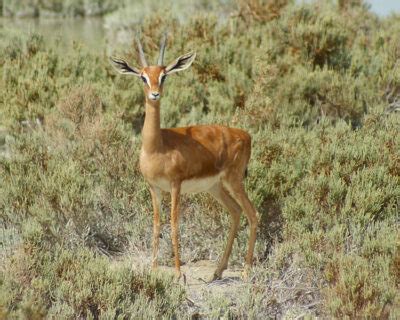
{"x":318,"y":87}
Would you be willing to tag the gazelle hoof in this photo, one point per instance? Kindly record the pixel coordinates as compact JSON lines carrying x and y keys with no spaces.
{"x":216,"y":276}
{"x":246,"y":273}
{"x":180,"y":276}
{"x":182,"y":263}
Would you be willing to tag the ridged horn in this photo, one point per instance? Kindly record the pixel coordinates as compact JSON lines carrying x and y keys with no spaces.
{"x":162,"y":49}
{"x":141,"y":53}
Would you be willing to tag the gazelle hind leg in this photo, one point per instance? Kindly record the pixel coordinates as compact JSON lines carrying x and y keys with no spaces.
{"x":238,"y":192}
{"x":223,"y":197}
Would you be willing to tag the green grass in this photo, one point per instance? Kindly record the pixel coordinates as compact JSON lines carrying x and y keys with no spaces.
{"x":312,"y":83}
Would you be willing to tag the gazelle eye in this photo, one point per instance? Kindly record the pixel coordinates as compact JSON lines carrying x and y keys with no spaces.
{"x":143,"y":79}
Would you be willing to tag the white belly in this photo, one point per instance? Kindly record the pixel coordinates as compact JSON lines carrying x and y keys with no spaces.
{"x":189,"y":186}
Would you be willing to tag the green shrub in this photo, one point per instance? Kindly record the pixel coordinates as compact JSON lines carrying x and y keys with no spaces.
{"x":76,"y":170}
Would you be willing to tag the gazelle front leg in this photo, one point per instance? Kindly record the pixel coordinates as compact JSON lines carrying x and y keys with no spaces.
{"x":156,"y":199}
{"x":175,"y":199}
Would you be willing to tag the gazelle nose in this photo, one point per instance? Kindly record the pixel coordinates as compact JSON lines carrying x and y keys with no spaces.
{"x":154,"y":95}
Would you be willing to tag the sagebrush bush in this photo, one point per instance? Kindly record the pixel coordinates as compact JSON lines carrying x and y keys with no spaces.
{"x":316,"y":85}
{"x":77,"y":169}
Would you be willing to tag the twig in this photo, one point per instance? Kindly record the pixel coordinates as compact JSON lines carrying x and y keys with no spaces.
{"x":191,"y":303}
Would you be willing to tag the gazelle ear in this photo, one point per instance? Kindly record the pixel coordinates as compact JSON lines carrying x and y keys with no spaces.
{"x":123,"y":67}
{"x":182,"y":63}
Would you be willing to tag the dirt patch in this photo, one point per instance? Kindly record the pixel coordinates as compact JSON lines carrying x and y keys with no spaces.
{"x":203,"y":295}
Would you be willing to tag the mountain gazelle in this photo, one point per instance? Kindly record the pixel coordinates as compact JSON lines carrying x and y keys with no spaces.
{"x":210,"y":158}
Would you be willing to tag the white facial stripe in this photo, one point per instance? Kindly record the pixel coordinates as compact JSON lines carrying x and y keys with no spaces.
{"x":147,"y":79}
{"x":160,"y":77}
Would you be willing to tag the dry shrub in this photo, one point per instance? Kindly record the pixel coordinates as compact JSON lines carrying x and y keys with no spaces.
{"x":260,"y":11}
{"x":348,"y":4}
{"x":353,"y":292}
{"x":82,"y":106}
{"x":79,"y":116}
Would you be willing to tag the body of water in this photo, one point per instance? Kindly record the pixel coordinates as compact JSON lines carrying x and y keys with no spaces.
{"x":61,"y":32}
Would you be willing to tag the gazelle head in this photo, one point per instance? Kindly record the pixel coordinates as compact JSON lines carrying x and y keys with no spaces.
{"x":154,"y":76}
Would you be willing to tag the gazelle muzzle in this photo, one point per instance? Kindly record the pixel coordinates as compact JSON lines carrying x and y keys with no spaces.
{"x":154,"y":95}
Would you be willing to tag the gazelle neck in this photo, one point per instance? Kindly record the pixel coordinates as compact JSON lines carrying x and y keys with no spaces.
{"x":151,"y":133}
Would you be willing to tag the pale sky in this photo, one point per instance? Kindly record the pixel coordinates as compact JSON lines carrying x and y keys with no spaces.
{"x":384,"y":7}
{"x":381,"y":7}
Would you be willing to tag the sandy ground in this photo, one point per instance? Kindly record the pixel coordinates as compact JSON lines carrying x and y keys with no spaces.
{"x":201,"y":292}
{"x":197,"y":275}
